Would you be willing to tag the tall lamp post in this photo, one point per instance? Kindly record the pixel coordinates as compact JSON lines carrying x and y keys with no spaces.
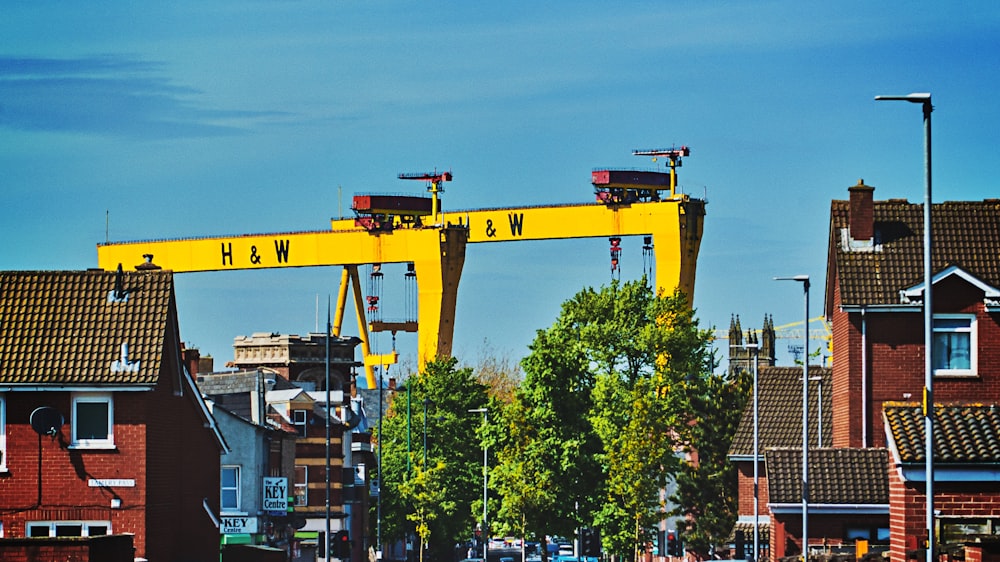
{"x":756,"y":457}
{"x":326,"y":469}
{"x":804,"y":279}
{"x":485,"y":535}
{"x":928,"y":399}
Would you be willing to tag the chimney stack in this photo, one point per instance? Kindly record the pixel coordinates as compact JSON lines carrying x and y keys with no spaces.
{"x":862,"y":218}
{"x":192,"y":360}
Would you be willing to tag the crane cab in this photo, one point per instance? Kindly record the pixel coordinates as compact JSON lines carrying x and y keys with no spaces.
{"x":622,"y":187}
{"x":386,"y":212}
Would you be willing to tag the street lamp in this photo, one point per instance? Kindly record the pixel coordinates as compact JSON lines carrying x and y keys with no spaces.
{"x":928,"y":400}
{"x":485,"y":532}
{"x":804,"y":279}
{"x":378,"y":507}
{"x":756,"y":458}
{"x":326,"y":469}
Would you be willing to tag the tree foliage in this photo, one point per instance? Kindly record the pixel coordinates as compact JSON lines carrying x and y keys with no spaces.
{"x":546,"y":451}
{"x":616,"y":391}
{"x":641,"y":412}
{"x":498,"y":372}
{"x":617,"y":404}
{"x":441,"y":493}
{"x":426,"y":492}
{"x":705,"y":496}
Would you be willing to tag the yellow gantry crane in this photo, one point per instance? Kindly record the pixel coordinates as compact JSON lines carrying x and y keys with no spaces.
{"x":414,"y":230}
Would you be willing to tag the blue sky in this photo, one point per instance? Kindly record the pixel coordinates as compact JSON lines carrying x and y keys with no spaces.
{"x":137,"y":121}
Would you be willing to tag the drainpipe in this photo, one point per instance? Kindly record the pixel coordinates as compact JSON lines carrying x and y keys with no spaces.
{"x":865,"y":407}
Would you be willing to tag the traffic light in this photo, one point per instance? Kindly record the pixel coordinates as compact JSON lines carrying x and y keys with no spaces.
{"x":673,"y":543}
{"x":590,"y":542}
{"x":340,"y":546}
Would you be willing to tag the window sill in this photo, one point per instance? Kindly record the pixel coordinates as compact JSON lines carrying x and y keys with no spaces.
{"x":946,"y":374}
{"x":98,"y":447}
{"x":233,"y":513}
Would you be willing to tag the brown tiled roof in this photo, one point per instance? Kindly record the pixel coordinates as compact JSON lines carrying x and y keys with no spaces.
{"x":779,"y":410}
{"x":836,"y":476}
{"x":762,"y":526}
{"x":965,"y":234}
{"x":963,"y":433}
{"x":62,"y":328}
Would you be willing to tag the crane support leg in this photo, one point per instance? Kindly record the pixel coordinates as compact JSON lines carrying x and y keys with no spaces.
{"x":677,"y":256}
{"x":359,"y":310}
{"x":338,"y":319}
{"x":350,"y":277}
{"x":437,"y":292}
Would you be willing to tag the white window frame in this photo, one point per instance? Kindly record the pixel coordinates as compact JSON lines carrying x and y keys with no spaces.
{"x":973,"y":343}
{"x":53,"y":527}
{"x":107,"y":442}
{"x":300,"y":419}
{"x":239,"y":502}
{"x":3,"y":437}
{"x":301,"y":489}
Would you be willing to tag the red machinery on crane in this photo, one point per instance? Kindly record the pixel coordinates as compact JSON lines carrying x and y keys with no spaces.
{"x":624,"y":187}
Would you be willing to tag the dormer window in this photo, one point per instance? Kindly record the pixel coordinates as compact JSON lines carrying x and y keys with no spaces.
{"x":954,"y":344}
{"x":300,"y":420}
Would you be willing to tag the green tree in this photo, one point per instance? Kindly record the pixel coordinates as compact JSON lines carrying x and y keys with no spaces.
{"x":451,"y":432}
{"x":426,"y":491}
{"x":640,"y":410}
{"x":546,"y":461}
{"x":706,"y":491}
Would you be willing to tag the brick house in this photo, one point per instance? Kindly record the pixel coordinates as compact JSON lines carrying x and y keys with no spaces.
{"x":123,"y":442}
{"x":779,"y":407}
{"x":874,"y":296}
{"x":873,"y":467}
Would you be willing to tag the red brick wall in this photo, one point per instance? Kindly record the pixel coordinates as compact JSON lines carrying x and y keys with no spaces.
{"x":824,"y":529}
{"x":895,"y":362}
{"x":848,"y":410}
{"x":908,"y":506}
{"x":97,"y":549}
{"x":184,"y":465}
{"x":745,"y":483}
{"x":65,"y":493}
{"x":173,"y":474}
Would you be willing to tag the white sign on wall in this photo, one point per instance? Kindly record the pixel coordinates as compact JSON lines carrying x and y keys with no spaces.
{"x":237,"y":525}
{"x":276,"y":495}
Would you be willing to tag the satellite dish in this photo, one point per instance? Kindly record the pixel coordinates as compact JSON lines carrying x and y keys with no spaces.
{"x":298,"y":522}
{"x":46,"y":420}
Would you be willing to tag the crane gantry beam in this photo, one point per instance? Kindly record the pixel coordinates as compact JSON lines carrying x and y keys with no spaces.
{"x":437,"y":252}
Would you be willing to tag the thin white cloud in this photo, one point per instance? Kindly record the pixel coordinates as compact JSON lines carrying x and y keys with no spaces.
{"x":109,"y":96}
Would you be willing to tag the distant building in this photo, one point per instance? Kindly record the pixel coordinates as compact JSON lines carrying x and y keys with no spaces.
{"x":291,"y":370}
{"x":299,"y":359}
{"x":262,"y":450}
